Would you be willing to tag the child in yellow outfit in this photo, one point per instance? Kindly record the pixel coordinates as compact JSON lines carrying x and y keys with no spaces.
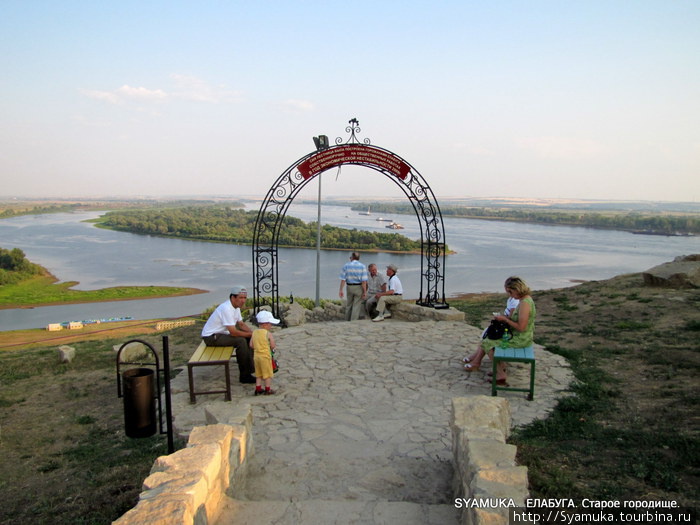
{"x":263,"y":344}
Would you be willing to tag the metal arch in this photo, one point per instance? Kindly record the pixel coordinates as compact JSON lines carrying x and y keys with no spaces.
{"x":266,"y":235}
{"x":280,"y":196}
{"x":353,"y":128}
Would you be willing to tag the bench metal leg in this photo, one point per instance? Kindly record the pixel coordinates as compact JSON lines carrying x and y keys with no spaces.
{"x":495,"y":361}
{"x":227,"y":374}
{"x":495,"y":388}
{"x":193,"y":398}
{"x":228,"y":382}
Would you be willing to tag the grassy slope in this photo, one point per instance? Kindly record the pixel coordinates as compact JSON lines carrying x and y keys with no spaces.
{"x":43,"y":290}
{"x":630,"y":431}
{"x":64,"y":457}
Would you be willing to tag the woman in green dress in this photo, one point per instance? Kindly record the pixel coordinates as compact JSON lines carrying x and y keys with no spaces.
{"x":521,"y":324}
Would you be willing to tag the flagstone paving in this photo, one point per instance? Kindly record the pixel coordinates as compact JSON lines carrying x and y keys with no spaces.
{"x":358,"y":431}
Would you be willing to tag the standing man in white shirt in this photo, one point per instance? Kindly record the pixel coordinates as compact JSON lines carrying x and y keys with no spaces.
{"x":225,"y":327}
{"x":392,"y":295}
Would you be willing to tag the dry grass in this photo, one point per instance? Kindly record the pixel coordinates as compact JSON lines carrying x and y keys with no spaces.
{"x":629,"y":432}
{"x":64,"y":457}
{"x":631,"y":429}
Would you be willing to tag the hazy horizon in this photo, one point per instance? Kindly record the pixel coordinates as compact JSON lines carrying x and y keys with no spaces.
{"x":601,"y":205}
{"x":591,"y":100}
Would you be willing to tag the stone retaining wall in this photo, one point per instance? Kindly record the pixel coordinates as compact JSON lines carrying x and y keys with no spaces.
{"x":408,"y":311}
{"x":294,"y":314}
{"x":188,"y":486}
{"x":169,"y":325}
{"x":484,"y":464}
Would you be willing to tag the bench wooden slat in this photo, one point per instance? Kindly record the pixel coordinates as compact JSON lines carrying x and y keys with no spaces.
{"x":526,"y":354}
{"x":205,"y":353}
{"x":216,"y":353}
{"x":198,"y":353}
{"x":210,"y":356}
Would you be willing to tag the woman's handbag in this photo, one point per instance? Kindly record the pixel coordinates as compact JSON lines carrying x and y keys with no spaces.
{"x":496,"y":330}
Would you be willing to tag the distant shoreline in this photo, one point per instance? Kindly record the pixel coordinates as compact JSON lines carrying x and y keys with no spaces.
{"x":49,"y":292}
{"x":641,"y":223}
{"x":190,"y":291}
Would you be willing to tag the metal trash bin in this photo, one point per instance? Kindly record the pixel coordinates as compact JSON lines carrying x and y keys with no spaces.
{"x":139,"y":402}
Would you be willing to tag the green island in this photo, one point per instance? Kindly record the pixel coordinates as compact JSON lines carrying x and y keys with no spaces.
{"x":643,"y":221}
{"x":228,"y":224}
{"x":25,"y":284}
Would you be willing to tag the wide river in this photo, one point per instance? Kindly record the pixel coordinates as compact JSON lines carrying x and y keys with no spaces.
{"x":487,"y":253}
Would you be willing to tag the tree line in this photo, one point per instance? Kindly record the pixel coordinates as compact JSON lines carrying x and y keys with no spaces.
{"x":226,"y":224}
{"x":14,"y":209}
{"x":15,"y":267}
{"x":37,"y":210}
{"x":636,"y":222}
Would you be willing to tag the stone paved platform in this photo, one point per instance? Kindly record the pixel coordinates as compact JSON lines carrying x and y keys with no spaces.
{"x":361,"y":420}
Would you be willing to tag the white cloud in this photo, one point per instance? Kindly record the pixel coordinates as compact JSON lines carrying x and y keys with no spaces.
{"x":193,"y":88}
{"x":127,"y":93}
{"x":185,"y":88}
{"x":141,"y":93}
{"x":106,"y":96}
{"x":561,"y":147}
{"x":298,"y":105}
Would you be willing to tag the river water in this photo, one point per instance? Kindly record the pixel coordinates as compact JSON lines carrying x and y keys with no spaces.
{"x":487,"y":253}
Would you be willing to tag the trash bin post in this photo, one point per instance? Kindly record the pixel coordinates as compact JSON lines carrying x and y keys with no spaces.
{"x":168,"y":404}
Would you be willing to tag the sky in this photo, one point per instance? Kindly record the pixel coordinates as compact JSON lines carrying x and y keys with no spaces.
{"x":556,"y":99}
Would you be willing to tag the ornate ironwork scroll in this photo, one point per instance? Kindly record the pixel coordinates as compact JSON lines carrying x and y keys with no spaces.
{"x":278,"y":199}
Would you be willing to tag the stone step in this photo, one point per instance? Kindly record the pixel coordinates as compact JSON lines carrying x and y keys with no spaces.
{"x":342,"y":475}
{"x":340,"y":512}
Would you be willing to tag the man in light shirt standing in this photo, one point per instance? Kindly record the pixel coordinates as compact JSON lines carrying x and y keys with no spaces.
{"x":353,"y":276}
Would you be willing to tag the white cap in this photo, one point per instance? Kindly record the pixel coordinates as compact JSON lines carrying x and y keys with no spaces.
{"x":266,"y":317}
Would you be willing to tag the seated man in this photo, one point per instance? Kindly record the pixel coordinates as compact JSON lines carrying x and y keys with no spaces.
{"x":375,"y":284}
{"x":391,"y":296}
{"x":225,"y":327}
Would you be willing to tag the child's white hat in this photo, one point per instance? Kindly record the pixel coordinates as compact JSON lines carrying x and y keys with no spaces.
{"x":266,"y":317}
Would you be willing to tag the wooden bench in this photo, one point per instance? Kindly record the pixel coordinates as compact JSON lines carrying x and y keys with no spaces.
{"x":514,"y":355}
{"x":210,"y":356}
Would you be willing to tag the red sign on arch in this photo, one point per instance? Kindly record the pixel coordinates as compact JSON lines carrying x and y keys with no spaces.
{"x":353,"y":154}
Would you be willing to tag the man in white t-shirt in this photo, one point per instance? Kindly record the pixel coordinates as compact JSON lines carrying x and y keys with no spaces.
{"x":392,"y":295}
{"x":225,"y":327}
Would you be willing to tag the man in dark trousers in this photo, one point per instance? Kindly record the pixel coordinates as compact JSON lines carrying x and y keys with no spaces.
{"x":225,"y":327}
